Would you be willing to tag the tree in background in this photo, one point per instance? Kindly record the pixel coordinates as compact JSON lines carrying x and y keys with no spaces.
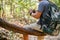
{"x":17,"y":9}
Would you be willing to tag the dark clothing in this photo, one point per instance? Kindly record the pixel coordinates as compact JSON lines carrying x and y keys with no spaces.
{"x":44,"y":8}
{"x":45,"y":19}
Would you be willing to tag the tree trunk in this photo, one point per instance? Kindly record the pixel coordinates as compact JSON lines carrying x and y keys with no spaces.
{"x":19,"y":29}
{"x":25,"y":37}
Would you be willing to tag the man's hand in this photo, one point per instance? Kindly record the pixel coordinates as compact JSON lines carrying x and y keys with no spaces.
{"x":35,"y":14}
{"x":32,"y":11}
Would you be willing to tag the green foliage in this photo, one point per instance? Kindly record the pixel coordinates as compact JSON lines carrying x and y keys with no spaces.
{"x":57,"y":2}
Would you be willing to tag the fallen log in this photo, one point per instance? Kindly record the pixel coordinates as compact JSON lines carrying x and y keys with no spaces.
{"x":19,"y":29}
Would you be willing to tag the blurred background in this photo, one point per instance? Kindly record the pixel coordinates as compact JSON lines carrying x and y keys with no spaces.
{"x":16,"y":12}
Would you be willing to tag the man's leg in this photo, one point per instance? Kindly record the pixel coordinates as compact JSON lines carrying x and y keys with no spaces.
{"x":34,"y":26}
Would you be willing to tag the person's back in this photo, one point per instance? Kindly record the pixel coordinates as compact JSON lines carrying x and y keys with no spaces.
{"x":44,"y":8}
{"x":45,"y":18}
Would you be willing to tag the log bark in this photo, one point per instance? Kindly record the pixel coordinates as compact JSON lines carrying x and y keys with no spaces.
{"x":26,"y":37}
{"x":19,"y":29}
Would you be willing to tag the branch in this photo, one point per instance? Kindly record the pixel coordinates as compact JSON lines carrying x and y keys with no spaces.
{"x":19,"y":29}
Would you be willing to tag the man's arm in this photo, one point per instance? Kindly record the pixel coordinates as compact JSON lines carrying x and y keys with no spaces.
{"x":37,"y":15}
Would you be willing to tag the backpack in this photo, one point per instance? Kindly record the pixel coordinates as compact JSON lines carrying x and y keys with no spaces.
{"x":51,"y":18}
{"x":55,"y":14}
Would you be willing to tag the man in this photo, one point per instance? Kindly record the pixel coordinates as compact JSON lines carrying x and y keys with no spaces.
{"x":43,"y":8}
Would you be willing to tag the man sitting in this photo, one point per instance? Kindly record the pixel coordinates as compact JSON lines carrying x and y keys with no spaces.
{"x":43,"y":8}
